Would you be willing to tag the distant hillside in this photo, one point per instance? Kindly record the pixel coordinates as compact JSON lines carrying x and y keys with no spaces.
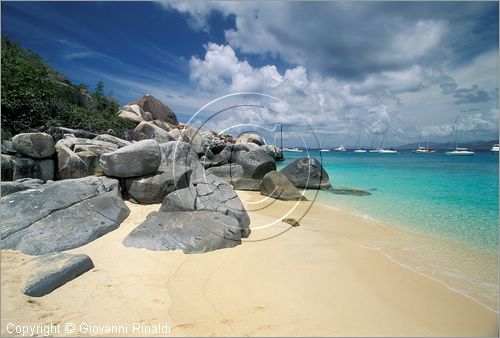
{"x":36,"y":97}
{"x":478,"y":145}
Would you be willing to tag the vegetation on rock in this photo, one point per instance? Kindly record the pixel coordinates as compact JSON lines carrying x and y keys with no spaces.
{"x":35,"y":97}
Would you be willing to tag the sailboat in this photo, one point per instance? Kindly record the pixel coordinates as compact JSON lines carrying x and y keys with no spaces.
{"x":321,"y":146}
{"x":356,"y":147}
{"x":423,"y":150}
{"x":381,"y":150}
{"x":459,"y":151}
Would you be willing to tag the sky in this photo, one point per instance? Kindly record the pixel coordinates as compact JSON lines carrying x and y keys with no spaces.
{"x":329,"y":72}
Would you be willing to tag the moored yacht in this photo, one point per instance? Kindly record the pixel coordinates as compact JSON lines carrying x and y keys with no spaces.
{"x":495,"y":148}
{"x":460,"y":152}
{"x":339,"y":148}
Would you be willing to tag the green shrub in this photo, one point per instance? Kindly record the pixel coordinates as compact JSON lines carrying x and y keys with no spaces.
{"x":37,"y":97}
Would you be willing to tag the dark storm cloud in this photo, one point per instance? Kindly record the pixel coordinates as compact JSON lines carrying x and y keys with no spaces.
{"x":471,"y":95}
{"x":351,"y":40}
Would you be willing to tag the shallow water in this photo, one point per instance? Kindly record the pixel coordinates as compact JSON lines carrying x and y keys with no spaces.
{"x":447,"y":204}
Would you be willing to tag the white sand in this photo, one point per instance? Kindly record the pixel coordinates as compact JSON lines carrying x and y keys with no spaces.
{"x":316,"y":279}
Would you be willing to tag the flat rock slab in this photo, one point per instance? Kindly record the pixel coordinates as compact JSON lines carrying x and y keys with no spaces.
{"x":48,"y":272}
{"x":350,"y":192}
{"x":191,"y":232}
{"x":61,"y":215}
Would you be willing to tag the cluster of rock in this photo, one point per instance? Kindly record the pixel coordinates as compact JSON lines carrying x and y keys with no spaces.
{"x":192,"y":173}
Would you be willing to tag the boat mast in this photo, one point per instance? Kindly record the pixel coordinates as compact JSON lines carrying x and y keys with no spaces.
{"x":281,"y":136}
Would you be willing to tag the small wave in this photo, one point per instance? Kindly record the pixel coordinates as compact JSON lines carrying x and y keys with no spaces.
{"x":406,"y":266}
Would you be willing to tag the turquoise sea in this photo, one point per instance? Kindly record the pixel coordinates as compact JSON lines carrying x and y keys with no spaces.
{"x":451,"y":200}
{"x":451,"y":196}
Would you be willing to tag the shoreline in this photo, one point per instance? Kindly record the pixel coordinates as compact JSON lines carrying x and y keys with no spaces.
{"x":429,"y":241}
{"x":315,"y":279}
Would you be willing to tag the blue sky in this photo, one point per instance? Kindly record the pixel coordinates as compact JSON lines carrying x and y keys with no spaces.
{"x":341,"y":67}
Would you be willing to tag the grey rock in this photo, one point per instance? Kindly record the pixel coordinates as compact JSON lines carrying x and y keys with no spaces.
{"x":273,"y":151}
{"x":129,"y":116}
{"x":56,"y":224}
{"x":70,"y":165}
{"x":210,"y":194}
{"x":7,"y":168}
{"x":7,"y":148}
{"x":23,"y":167}
{"x":112,"y":139}
{"x":350,"y":192}
{"x":229,"y":172}
{"x":250,"y":138}
{"x":179,"y":165}
{"x":70,"y":141}
{"x":46,"y":169}
{"x":96,"y":149}
{"x":180,"y":200}
{"x":19,"y":185}
{"x":138,"y":159}
{"x":59,"y":132}
{"x":255,"y":163}
{"x":153,"y":188}
{"x":156,"y":108}
{"x":276,"y":185}
{"x":197,"y":140}
{"x":24,"y":208}
{"x":249,"y":184}
{"x":191,"y":232}
{"x":34,"y":145}
{"x":307,"y":172}
{"x":51,"y":271}
{"x":176,"y":155}
{"x":91,"y":161}
{"x":147,"y":130}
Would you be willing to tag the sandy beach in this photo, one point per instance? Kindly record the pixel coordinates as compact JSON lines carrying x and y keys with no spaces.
{"x":316,"y":279}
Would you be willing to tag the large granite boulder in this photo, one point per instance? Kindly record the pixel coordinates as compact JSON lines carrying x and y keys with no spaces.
{"x":308,"y":173}
{"x":70,"y":165}
{"x":156,"y":108}
{"x":130,"y":116}
{"x":147,"y":130}
{"x":230,"y":172}
{"x":248,"y":184}
{"x":7,"y":168}
{"x":61,"y":215}
{"x":7,"y":148}
{"x":50,"y":271}
{"x":179,"y":164}
{"x":191,"y":232}
{"x":46,"y":169}
{"x":276,"y":185}
{"x":250,"y":138}
{"x":197,"y":140}
{"x":95,"y":148}
{"x":210,"y":194}
{"x":255,"y":163}
{"x":273,"y":151}
{"x":19,"y":185}
{"x":112,"y":139}
{"x":34,"y":145}
{"x":59,"y":133}
{"x":23,"y":167}
{"x":80,"y":144}
{"x":138,"y":159}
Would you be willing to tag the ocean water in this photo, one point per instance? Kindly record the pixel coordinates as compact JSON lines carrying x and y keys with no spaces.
{"x":447,"y":204}
{"x":451,"y":196}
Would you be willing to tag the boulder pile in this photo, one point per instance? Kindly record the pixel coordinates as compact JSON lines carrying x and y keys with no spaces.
{"x":65,"y":189}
